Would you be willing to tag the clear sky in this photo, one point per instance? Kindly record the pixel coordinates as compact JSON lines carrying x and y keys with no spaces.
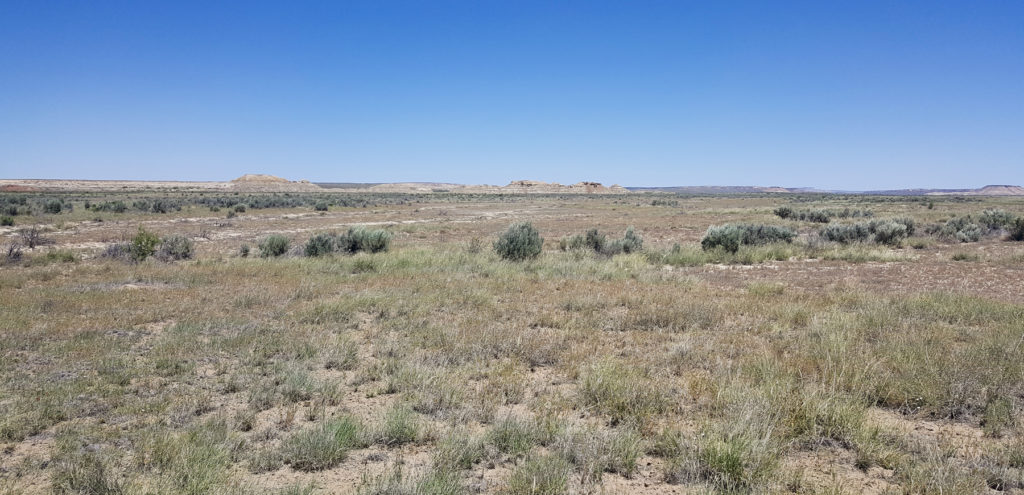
{"x":844,"y":95}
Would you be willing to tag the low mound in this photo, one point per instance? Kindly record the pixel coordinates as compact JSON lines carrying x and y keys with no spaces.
{"x":262,"y":178}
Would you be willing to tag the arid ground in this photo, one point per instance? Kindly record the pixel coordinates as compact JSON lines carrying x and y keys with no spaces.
{"x":436,"y":366}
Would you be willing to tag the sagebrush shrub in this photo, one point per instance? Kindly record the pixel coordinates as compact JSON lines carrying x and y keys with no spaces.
{"x":370,"y":241}
{"x":6,"y":221}
{"x":143,"y":245}
{"x":995,"y":219}
{"x":520,"y":242}
{"x":731,"y":236}
{"x":274,"y":245}
{"x":963,"y":229}
{"x":175,"y":247}
{"x":846,"y":233}
{"x":321,"y":206}
{"x":889,"y":232}
{"x":1017,"y":230}
{"x":320,"y":245}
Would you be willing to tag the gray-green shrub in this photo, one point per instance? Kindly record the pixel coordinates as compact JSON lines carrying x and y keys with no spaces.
{"x":143,"y":245}
{"x":520,"y":242}
{"x":1017,"y":230}
{"x":731,"y":236}
{"x":320,"y":245}
{"x":175,"y":247}
{"x":360,"y":239}
{"x":995,"y":219}
{"x":274,"y":245}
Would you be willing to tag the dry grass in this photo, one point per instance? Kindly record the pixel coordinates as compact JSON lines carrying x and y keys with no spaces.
{"x":437,"y":368}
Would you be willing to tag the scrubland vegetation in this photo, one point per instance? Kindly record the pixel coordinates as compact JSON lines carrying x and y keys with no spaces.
{"x":441,"y":345}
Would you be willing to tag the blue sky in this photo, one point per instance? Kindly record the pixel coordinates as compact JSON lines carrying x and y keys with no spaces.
{"x":841,"y":95}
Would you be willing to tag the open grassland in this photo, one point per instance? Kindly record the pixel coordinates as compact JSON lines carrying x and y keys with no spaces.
{"x":435,"y":366}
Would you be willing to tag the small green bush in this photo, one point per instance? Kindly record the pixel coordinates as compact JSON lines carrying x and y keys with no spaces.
{"x":274,"y":245}
{"x":143,"y":245}
{"x":1017,"y":230}
{"x":889,"y":232}
{"x":995,"y":219}
{"x":244,"y":251}
{"x":370,"y":241}
{"x":595,"y":241}
{"x":6,"y":221}
{"x":963,"y":229}
{"x":321,"y":206}
{"x":53,"y":206}
{"x":846,"y":233}
{"x":320,"y":245}
{"x":239,"y":209}
{"x":731,"y":236}
{"x":175,"y":247}
{"x":520,"y":242}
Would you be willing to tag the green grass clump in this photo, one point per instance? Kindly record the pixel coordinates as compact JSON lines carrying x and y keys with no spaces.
{"x":512,"y":436}
{"x":963,"y":256}
{"x":540,"y":475}
{"x":400,"y":426}
{"x":274,"y":245}
{"x":621,"y":392}
{"x":520,"y":242}
{"x":85,"y":473}
{"x":324,"y":445}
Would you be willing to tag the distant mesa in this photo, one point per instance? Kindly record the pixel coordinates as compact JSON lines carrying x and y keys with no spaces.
{"x":260,"y":178}
{"x":271,"y":183}
{"x":991,"y":190}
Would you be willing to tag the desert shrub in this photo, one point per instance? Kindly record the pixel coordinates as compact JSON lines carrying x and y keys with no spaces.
{"x":244,"y":250}
{"x":731,"y":236}
{"x":274,"y":245}
{"x":784,"y":212}
{"x":370,"y":241}
{"x":889,"y":232}
{"x":963,"y":229}
{"x":6,"y":221}
{"x":53,"y":206}
{"x":995,"y":219}
{"x":239,"y":209}
{"x":12,"y":253}
{"x":908,"y":223}
{"x":1017,"y":230}
{"x":320,"y":245}
{"x":175,"y":247}
{"x":321,"y":206}
{"x":520,"y":242}
{"x":117,"y":250}
{"x":595,"y":241}
{"x":143,"y":245}
{"x":33,"y":236}
{"x":727,"y":237}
